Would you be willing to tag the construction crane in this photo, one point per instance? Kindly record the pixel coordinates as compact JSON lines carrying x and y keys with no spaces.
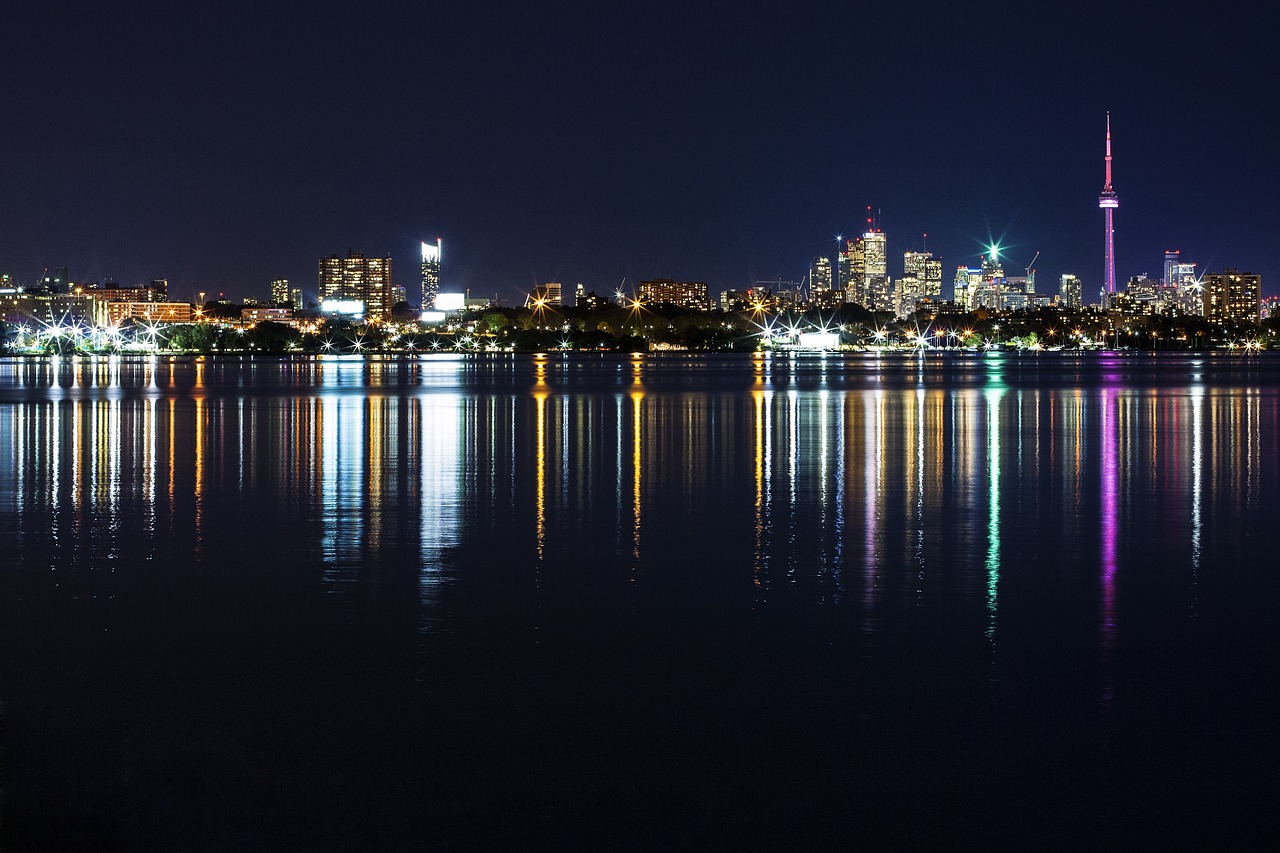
{"x":1031,"y":273}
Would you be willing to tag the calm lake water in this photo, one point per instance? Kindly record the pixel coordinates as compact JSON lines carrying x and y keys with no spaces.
{"x":639,"y":602}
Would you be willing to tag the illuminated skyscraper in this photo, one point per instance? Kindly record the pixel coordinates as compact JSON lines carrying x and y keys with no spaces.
{"x":865,"y":266}
{"x":1109,"y":201}
{"x":876,"y":286}
{"x":280,"y":291}
{"x":356,"y":278}
{"x":431,"y":256}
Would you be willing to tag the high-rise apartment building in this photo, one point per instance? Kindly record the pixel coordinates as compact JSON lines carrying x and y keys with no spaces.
{"x":1232,"y":295}
{"x":280,"y":291}
{"x":431,"y":258}
{"x":356,"y":278}
{"x":1180,"y":279}
{"x":694,"y":295}
{"x":820,"y":274}
{"x":1070,"y":292}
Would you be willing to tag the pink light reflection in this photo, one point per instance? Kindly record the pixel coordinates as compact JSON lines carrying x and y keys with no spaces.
{"x":1109,"y":534}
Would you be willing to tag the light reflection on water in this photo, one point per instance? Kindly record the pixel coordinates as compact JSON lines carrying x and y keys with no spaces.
{"x":475,"y":581}
{"x":904,"y":481}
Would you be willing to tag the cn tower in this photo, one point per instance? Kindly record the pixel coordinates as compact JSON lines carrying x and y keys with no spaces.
{"x":1109,"y":201}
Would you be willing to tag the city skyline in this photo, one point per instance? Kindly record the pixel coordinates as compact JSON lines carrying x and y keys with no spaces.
{"x":552,"y":148}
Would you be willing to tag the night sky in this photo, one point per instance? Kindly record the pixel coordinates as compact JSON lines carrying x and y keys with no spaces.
{"x":221,"y":147}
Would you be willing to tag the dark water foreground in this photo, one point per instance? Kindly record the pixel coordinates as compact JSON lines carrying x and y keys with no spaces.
{"x":639,"y":603}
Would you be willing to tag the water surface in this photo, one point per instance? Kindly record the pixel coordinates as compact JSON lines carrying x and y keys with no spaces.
{"x":637,"y":602}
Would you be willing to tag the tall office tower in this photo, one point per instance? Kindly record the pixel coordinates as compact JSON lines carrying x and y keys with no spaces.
{"x":431,"y":257}
{"x":580,"y":296}
{"x":295,"y":298}
{"x":1070,"y":292}
{"x":926,"y":269}
{"x":853,"y":261}
{"x":931,"y":286}
{"x":865,"y":263}
{"x":160,"y":286}
{"x":280,"y":291}
{"x":876,"y":285}
{"x":360,"y":279}
{"x":1232,"y":295}
{"x":1109,"y":201}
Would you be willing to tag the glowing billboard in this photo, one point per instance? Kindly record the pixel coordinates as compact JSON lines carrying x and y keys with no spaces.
{"x":342,"y":306}
{"x":450,"y":301}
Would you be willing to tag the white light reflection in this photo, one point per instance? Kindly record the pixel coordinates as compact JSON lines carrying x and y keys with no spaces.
{"x":993,"y":396}
{"x":1197,"y":485}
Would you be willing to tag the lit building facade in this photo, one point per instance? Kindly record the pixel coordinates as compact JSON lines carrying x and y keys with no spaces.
{"x":921,"y":279}
{"x":1232,"y":295}
{"x":109,"y":315}
{"x":694,"y":295}
{"x":1070,"y":292}
{"x":965,"y":285}
{"x":432,"y":256}
{"x":821,"y":292}
{"x":280,"y":291}
{"x":853,"y":265}
{"x":548,"y":294}
{"x":356,"y":278}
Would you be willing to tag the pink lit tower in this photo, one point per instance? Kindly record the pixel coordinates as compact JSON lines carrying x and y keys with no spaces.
{"x":1109,"y":201}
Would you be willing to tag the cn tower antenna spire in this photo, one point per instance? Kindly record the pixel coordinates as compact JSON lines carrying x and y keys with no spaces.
{"x":1109,"y":201}
{"x":1108,"y":184}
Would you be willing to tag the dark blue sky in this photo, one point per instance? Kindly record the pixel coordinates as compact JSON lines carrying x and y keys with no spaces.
{"x":224,"y":147}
